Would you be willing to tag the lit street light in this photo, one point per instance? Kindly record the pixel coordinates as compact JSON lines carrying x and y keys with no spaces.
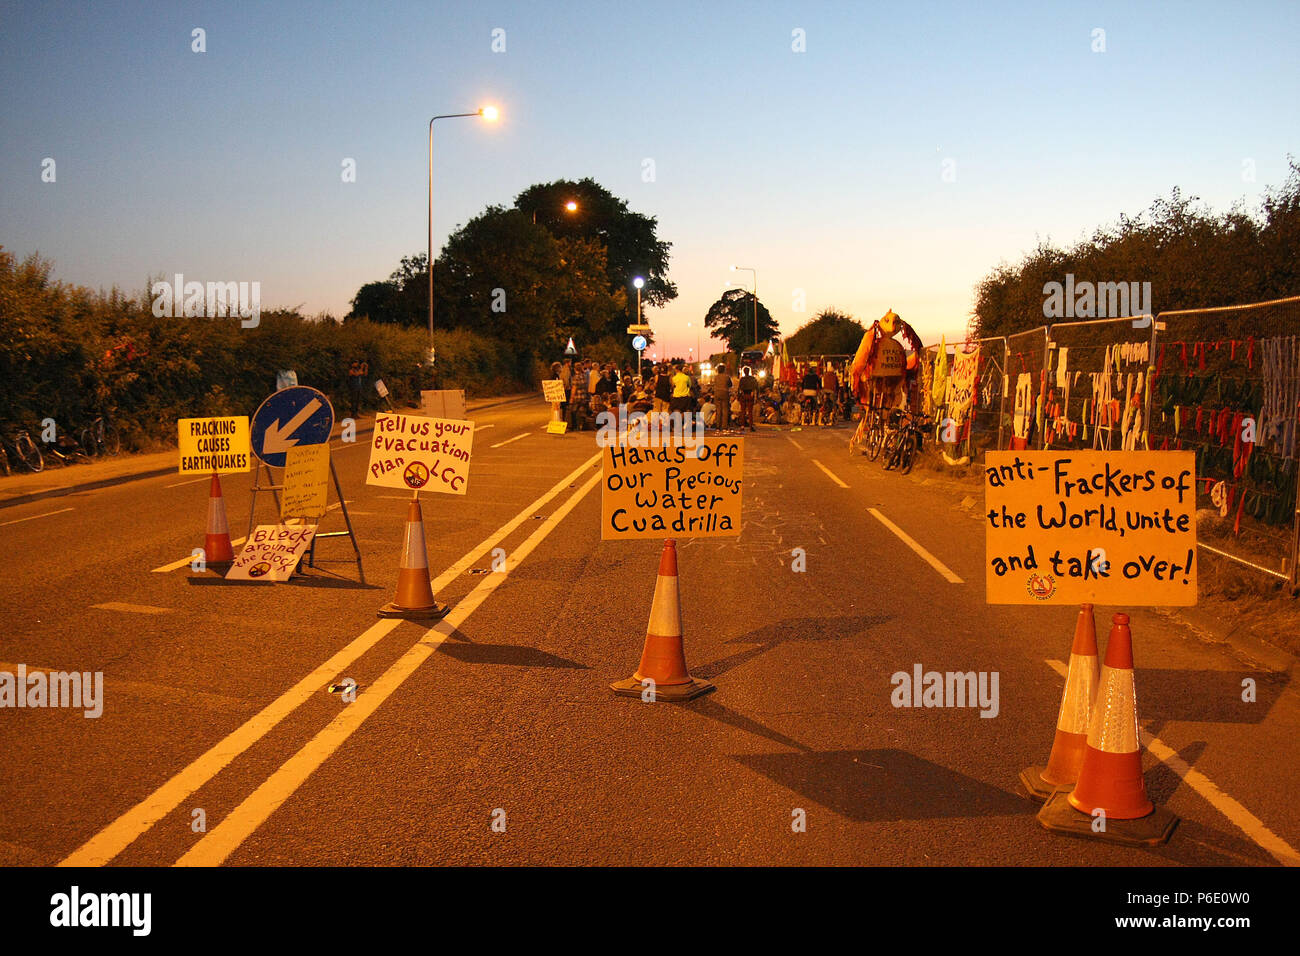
{"x":569,"y":207}
{"x":638,"y":282}
{"x":488,"y":113}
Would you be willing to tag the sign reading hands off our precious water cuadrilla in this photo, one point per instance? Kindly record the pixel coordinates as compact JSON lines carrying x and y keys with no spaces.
{"x":690,"y":490}
{"x":1072,"y":527}
{"x":421,"y":454}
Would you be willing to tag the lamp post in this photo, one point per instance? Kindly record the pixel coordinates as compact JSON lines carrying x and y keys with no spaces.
{"x":638,"y":282}
{"x":488,"y":113}
{"x":755,"y":272}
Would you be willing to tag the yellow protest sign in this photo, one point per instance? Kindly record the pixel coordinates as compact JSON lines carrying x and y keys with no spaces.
{"x":556,"y":428}
{"x":553,"y":391}
{"x":689,"y":490}
{"x":1072,"y":527}
{"x":209,"y":445}
{"x":306,"y":481}
{"x":271,"y":552}
{"x":421,"y":454}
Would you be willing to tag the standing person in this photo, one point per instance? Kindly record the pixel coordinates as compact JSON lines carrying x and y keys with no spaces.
{"x":566,"y":379}
{"x":577,"y":399}
{"x":748,"y":392}
{"x":357,"y":373}
{"x":722,"y":397}
{"x":593,"y":377}
{"x":681,"y":393}
{"x":663,"y":389}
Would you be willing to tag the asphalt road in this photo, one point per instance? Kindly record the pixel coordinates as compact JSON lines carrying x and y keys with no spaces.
{"x":216,"y":693}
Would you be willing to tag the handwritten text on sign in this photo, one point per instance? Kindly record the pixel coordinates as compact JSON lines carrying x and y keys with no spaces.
{"x":271,"y":552}
{"x":420,"y":454}
{"x":1074,"y":527}
{"x":213,"y":444}
{"x":306,"y":481}
{"x":683,"y":491}
{"x":553,"y":391}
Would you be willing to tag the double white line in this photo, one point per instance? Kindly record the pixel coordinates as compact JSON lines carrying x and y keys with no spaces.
{"x":218,"y":844}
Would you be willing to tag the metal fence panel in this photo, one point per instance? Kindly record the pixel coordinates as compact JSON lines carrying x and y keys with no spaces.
{"x":1223,"y":376}
{"x":1025,"y":377}
{"x":980,"y":428}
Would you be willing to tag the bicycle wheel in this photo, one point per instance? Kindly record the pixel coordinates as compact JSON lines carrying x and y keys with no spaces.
{"x":88,"y":442}
{"x":28,"y":453}
{"x":112,"y":441}
{"x":907,"y":452}
{"x":875,"y":441}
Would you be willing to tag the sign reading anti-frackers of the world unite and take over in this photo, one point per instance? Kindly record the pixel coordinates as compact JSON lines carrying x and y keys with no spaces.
{"x":1073,"y":527}
{"x":686,"y":490}
{"x":420,"y":454}
{"x":210,"y":445}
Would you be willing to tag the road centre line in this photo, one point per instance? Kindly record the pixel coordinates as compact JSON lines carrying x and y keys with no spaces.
{"x":122,"y":832}
{"x":185,"y":562}
{"x":793,"y":442}
{"x":509,"y":440}
{"x":192,"y":481}
{"x":1238,"y":815}
{"x":131,"y":608}
{"x":214,"y":848}
{"x":479,"y":428}
{"x":829,"y":473}
{"x":926,"y":556}
{"x":34,"y":517}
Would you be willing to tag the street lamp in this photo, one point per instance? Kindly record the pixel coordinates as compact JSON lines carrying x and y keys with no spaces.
{"x":755,"y":271}
{"x":569,"y":207}
{"x":488,"y":113}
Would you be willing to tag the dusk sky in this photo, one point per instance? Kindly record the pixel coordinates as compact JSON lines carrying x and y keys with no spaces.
{"x":822,"y":169}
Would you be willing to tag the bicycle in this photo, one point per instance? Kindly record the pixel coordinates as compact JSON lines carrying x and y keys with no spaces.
{"x":827,"y":410}
{"x":906,"y":442}
{"x":101,"y":438}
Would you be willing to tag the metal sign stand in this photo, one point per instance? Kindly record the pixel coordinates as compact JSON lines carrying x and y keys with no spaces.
{"x":275,"y":490}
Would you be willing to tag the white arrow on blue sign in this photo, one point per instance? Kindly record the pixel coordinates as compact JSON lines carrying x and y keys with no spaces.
{"x":639,"y":343}
{"x":292,"y":416}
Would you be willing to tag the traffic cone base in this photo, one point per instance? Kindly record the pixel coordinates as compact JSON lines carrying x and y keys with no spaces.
{"x":435,"y":613}
{"x":635,"y":686}
{"x":1031,"y":778}
{"x":1059,"y":815}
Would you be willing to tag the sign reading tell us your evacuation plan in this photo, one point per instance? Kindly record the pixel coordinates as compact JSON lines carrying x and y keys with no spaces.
{"x":420,"y":454}
{"x":210,"y":445}
{"x":1077,"y":527}
{"x":689,"y":490}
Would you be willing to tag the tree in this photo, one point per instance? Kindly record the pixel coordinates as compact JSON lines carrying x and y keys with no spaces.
{"x":631,"y":245}
{"x":731,"y":318}
{"x":830,"y":332}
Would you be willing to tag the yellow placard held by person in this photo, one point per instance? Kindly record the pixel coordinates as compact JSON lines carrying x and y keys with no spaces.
{"x":1090,"y":527}
{"x":421,"y":454}
{"x":208,"y":445}
{"x":553,"y":391}
{"x":687,"y":490}
{"x":306,"y":481}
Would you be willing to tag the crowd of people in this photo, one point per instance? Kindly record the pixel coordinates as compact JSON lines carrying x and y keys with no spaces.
{"x":722,"y":401}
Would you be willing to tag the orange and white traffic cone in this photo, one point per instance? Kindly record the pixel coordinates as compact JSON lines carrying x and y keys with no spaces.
{"x":216,"y":547}
{"x":414,"y":600}
{"x":1071,"y":741}
{"x":663,"y":674}
{"x":1110,"y":800}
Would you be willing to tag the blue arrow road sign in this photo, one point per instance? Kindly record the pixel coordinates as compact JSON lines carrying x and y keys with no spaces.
{"x":639,"y":343}
{"x":292,"y":416}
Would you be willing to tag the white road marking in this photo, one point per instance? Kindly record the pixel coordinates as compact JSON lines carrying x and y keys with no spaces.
{"x":186,"y":562}
{"x":1238,"y":815}
{"x":929,"y":559}
{"x":237,"y":825}
{"x":131,"y":608}
{"x":793,"y":442}
{"x":509,"y":440}
{"x":479,"y":428}
{"x":829,"y":474}
{"x":192,"y":481}
{"x":34,"y":517}
{"x":122,"y":832}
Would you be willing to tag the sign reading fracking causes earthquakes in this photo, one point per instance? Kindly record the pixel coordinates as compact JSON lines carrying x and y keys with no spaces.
{"x":682,"y":490}
{"x":306,"y":481}
{"x":961,"y":385}
{"x":553,"y":391}
{"x":213,"y":444}
{"x":421,"y":454}
{"x":271,"y":552}
{"x":1074,"y":527}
